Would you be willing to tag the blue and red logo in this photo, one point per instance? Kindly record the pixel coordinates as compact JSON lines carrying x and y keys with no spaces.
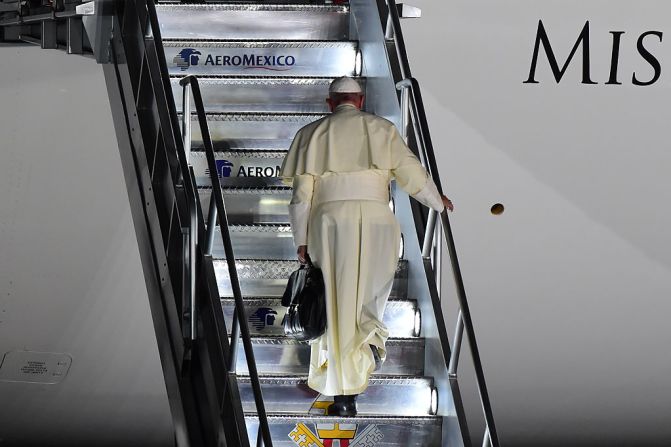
{"x":224,"y":168}
{"x":186,"y":58}
{"x":264,"y":316}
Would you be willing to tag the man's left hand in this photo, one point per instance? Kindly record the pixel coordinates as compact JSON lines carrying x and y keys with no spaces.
{"x":448,"y":203}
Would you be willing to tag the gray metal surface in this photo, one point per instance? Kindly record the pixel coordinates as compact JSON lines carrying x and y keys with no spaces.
{"x":233,"y":164}
{"x":271,"y":242}
{"x":271,"y":131}
{"x":282,"y":356}
{"x":289,"y":430}
{"x":230,"y":21}
{"x":266,"y":314}
{"x":261,"y":58}
{"x":70,"y":283}
{"x":269,"y":278}
{"x":246,"y":206}
{"x":385,"y":395}
{"x":261,"y":94}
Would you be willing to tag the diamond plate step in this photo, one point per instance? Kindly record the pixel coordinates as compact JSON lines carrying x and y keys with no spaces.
{"x":397,"y":395}
{"x":281,"y":356}
{"x":291,"y":430}
{"x":268,"y":131}
{"x":269,"y":278}
{"x":259,"y":94}
{"x":252,"y":205}
{"x":254,"y":21}
{"x":265,"y":316}
{"x":319,"y":58}
{"x":251,"y":200}
{"x":271,"y":242}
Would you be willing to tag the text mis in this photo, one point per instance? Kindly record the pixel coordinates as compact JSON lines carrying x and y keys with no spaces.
{"x":644,"y":42}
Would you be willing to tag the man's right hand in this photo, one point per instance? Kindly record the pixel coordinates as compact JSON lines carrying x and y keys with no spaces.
{"x":303,"y":256}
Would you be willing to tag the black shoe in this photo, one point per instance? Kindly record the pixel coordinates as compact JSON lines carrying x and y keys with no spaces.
{"x":376,"y":356}
{"x":343,"y":406}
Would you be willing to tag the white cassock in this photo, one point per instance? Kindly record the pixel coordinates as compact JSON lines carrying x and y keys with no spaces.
{"x":340,"y":168}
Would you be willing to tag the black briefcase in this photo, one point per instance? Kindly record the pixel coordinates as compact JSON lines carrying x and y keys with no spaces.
{"x":304,"y":296}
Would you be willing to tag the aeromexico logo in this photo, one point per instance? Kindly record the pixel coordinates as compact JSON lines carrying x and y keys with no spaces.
{"x":189,"y":57}
{"x":224,"y":168}
{"x":186,"y":58}
{"x":263,"y":317}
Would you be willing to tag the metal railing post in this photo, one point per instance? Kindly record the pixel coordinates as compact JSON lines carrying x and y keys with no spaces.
{"x":211,"y":225}
{"x":405,"y":109}
{"x":186,"y":280}
{"x":428,"y":234}
{"x":259,"y":438}
{"x":193,"y":240}
{"x":438,"y":260}
{"x":456,"y":347}
{"x":405,"y":112}
{"x":193,"y":214}
{"x":395,"y":25}
{"x":193,"y":218}
{"x":486,"y":440}
{"x":405,"y":86}
{"x":186,"y":121}
{"x":235,"y":339}
{"x":389,"y":29}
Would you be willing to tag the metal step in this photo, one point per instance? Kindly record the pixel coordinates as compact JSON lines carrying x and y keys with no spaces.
{"x":269,"y":278}
{"x":397,"y":395}
{"x":251,"y":131}
{"x":252,"y":205}
{"x":233,"y":164}
{"x":254,"y":21}
{"x":249,"y":201}
{"x":325,"y":58}
{"x":265,"y":316}
{"x":271,"y":242}
{"x":256,"y":94}
{"x":281,"y":355}
{"x":292,"y":430}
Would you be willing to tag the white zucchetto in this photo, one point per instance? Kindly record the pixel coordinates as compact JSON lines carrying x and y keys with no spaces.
{"x":345,"y":84}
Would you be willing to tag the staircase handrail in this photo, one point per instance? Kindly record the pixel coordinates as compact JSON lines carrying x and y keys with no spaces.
{"x":218,"y":216}
{"x":411,"y":103}
{"x":194,"y":210}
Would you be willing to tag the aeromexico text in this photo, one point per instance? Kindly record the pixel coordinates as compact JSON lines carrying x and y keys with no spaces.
{"x":647,"y":47}
{"x":258,"y":171}
{"x":225,"y":169}
{"x":251,"y":60}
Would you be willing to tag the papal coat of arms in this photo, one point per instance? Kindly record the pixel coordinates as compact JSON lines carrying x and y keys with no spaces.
{"x":336,"y":435}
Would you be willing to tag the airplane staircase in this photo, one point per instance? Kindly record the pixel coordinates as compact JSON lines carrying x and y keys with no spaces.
{"x":206,"y":99}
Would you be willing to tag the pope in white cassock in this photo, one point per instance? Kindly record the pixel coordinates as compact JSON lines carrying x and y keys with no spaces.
{"x":340,"y":168}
